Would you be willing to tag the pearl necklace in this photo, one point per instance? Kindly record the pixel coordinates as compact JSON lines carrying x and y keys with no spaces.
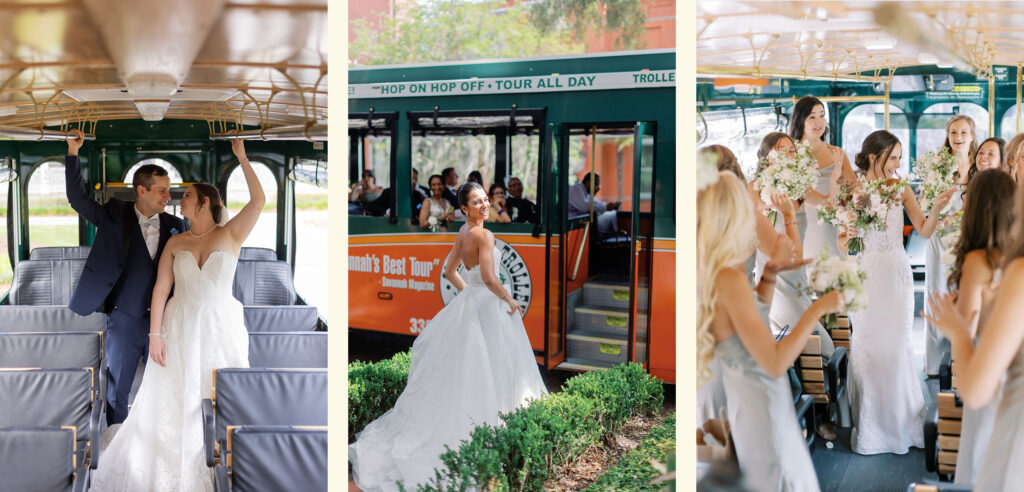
{"x":203,"y":234}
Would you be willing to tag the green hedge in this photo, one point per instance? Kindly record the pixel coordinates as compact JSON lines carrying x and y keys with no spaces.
{"x":536,"y":440}
{"x":373,"y":388}
{"x":634,"y":472}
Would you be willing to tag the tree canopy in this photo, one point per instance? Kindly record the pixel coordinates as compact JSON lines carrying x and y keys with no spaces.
{"x":465,"y":30}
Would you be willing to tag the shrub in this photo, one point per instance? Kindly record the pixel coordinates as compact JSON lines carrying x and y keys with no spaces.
{"x":373,"y":388}
{"x":548,"y":433}
{"x":634,"y":471}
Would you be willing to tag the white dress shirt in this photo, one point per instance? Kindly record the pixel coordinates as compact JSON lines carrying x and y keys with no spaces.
{"x":150,"y":227}
{"x":579,"y":201}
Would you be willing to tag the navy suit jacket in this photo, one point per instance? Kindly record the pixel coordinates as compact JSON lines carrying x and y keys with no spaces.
{"x":109,"y":269}
{"x":450,"y":196}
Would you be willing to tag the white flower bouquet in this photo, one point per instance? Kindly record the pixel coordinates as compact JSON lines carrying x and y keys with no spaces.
{"x":842,"y":273}
{"x":432,"y":222}
{"x":787,"y":175}
{"x":863,"y":206}
{"x":935,"y":170}
{"x":949,"y":235}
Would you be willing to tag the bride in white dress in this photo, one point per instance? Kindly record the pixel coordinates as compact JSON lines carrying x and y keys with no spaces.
{"x":160,"y":445}
{"x":472,"y":362}
{"x":885,"y":388}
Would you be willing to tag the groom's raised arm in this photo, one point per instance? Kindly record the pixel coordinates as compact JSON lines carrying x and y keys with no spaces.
{"x":77,"y":191}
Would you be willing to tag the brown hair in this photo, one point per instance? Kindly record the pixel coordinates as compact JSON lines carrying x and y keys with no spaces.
{"x":974,"y":136}
{"x":210,"y":193}
{"x":768,"y":144}
{"x":988,"y":216}
{"x":1002,"y":156}
{"x":801,"y":110}
{"x":144,"y":176}
{"x":879,"y":144}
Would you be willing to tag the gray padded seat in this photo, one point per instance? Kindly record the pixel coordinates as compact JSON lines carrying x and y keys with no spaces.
{"x":264,"y":283}
{"x":48,"y":318}
{"x":261,"y":319}
{"x":52,"y":397}
{"x":250,"y":253}
{"x":263,"y":397}
{"x":60,"y":253}
{"x":45,"y":282}
{"x":56,"y":350}
{"x":288,"y":350}
{"x":275,"y":459}
{"x":40,"y":458}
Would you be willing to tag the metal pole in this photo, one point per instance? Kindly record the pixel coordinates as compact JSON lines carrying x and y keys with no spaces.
{"x":886,"y":103}
{"x":1019,"y":76}
{"x":314,"y":132}
{"x":847,"y":98}
{"x":103,"y":165}
{"x":992,"y":106}
{"x":36,"y":134}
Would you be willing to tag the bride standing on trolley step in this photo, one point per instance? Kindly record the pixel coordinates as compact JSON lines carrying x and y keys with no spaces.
{"x":160,"y":445}
{"x":472,"y":362}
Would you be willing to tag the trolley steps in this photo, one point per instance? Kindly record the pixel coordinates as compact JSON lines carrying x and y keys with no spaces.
{"x":598,"y":329}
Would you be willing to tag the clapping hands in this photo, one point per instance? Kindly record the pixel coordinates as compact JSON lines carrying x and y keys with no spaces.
{"x":947,"y":318}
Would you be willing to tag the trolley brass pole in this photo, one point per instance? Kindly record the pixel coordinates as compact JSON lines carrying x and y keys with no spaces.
{"x":1018,"y":95}
{"x":829,"y":99}
{"x":593,"y":162}
{"x":886,"y":103}
{"x":992,"y":106}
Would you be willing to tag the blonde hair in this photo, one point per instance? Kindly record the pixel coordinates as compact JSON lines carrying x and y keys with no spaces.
{"x":1013,"y":149}
{"x":973,"y":149}
{"x":725,"y":237}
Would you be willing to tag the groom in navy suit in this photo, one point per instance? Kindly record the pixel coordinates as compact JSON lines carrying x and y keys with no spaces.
{"x":121,"y":269}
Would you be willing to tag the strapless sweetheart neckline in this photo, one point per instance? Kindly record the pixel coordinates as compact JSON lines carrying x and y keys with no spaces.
{"x":196,"y":260}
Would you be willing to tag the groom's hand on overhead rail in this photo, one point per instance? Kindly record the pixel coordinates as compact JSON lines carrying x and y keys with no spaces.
{"x":76,"y":143}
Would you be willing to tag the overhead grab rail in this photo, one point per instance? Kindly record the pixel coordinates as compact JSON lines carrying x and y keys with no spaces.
{"x":36,"y":134}
{"x":315,"y":132}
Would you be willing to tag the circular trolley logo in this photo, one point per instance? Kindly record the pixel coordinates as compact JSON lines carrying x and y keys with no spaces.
{"x":512,"y":272}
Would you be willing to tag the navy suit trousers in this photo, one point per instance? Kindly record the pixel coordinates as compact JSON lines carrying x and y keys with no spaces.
{"x":127,"y":341}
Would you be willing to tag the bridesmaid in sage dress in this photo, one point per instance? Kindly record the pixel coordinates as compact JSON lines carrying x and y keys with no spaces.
{"x":997,"y":359}
{"x":732,"y":329}
{"x":808,"y":125}
{"x":961,"y":142}
{"x":988,"y":214}
{"x":790,"y":300}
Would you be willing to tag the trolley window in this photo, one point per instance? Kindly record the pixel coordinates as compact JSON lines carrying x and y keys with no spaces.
{"x":372,"y":168}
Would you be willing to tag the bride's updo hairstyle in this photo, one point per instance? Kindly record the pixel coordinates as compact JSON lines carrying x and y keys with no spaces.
{"x":209,"y":192}
{"x":465,"y":190}
{"x":879,"y":144}
{"x":988,"y":217}
{"x":725,"y":237}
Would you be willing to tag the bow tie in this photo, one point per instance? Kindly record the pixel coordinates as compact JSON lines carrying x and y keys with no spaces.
{"x":153,"y":221}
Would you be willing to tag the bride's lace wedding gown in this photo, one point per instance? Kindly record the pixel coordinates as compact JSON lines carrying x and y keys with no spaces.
{"x":160,"y":445}
{"x":885,"y":389}
{"x":472,"y":362}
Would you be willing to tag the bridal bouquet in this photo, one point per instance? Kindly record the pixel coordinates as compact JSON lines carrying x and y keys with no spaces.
{"x":842,"y":273}
{"x":432,"y":222}
{"x":949,"y":235}
{"x":935,"y":170}
{"x":790,"y":176}
{"x":863,"y":206}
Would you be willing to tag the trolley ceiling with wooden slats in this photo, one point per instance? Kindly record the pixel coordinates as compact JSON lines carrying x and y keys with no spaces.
{"x":259,"y":62}
{"x":856,"y":40}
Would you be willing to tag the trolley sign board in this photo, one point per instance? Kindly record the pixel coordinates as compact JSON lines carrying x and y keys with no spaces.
{"x":509,"y":85}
